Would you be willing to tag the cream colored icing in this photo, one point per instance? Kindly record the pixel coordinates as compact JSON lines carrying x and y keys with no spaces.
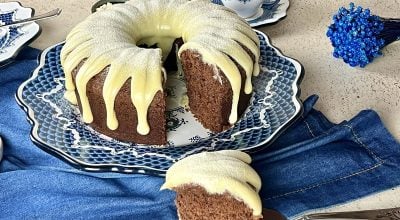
{"x":109,"y":38}
{"x":219,"y":172}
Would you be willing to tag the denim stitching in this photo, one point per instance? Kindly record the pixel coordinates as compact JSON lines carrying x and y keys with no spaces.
{"x":358,"y":140}
{"x":324,"y":183}
{"x":325,"y":132}
{"x":308,"y":126}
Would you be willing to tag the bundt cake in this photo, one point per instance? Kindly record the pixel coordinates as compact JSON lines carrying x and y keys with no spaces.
{"x":113,"y":64}
{"x":217,"y":185}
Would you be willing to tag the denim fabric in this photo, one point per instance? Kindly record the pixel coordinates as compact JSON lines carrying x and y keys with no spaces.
{"x":314,"y":164}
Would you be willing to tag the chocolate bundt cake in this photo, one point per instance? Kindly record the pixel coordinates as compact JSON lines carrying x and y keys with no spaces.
{"x":117,"y":78}
{"x":217,"y":185}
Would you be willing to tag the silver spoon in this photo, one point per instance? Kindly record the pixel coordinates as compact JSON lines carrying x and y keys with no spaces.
{"x":49,"y":14}
{"x":377,"y":214}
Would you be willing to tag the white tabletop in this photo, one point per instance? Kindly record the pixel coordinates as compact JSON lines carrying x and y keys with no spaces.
{"x":343,"y":91}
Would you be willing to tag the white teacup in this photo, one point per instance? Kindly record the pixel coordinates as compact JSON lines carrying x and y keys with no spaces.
{"x":244,"y":8}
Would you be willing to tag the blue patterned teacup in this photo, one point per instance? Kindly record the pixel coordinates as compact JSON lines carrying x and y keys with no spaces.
{"x":244,"y":8}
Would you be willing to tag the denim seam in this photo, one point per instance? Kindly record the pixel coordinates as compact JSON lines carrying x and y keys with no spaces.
{"x":308,"y":127}
{"x":326,"y":182}
{"x":358,"y":140}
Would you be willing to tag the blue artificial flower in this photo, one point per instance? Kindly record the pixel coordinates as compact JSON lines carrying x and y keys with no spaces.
{"x":357,"y":36}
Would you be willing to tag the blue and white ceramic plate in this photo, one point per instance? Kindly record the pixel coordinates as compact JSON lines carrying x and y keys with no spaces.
{"x":58,"y":129}
{"x":271,"y":11}
{"x":14,"y":38}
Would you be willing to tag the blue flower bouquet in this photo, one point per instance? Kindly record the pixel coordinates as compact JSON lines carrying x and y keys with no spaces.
{"x":358,"y":36}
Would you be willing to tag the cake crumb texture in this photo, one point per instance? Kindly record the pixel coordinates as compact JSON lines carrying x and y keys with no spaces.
{"x":194,"y":203}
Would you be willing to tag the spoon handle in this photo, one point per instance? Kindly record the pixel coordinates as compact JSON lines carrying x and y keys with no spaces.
{"x":49,"y":14}
{"x":380,"y":214}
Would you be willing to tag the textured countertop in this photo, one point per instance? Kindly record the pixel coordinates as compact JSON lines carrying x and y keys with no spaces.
{"x":343,"y":91}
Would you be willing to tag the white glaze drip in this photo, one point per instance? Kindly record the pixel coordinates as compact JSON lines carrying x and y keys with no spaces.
{"x":219,"y":172}
{"x":110,"y":37}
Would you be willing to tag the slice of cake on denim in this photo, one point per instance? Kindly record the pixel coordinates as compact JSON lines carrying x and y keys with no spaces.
{"x":215,"y":185}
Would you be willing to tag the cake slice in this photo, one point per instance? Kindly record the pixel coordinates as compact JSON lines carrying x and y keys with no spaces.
{"x":215,"y":185}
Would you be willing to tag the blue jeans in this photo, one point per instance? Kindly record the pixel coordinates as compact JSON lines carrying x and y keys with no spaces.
{"x":317,"y":163}
{"x":314,"y":164}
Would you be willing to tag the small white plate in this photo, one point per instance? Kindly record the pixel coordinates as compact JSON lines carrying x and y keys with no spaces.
{"x":14,"y":38}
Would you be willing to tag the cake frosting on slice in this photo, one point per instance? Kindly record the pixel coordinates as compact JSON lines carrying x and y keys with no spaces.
{"x":215,"y":185}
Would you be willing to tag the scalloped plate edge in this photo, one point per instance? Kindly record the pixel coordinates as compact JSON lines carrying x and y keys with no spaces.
{"x":296,"y":100}
{"x":144,"y":169}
